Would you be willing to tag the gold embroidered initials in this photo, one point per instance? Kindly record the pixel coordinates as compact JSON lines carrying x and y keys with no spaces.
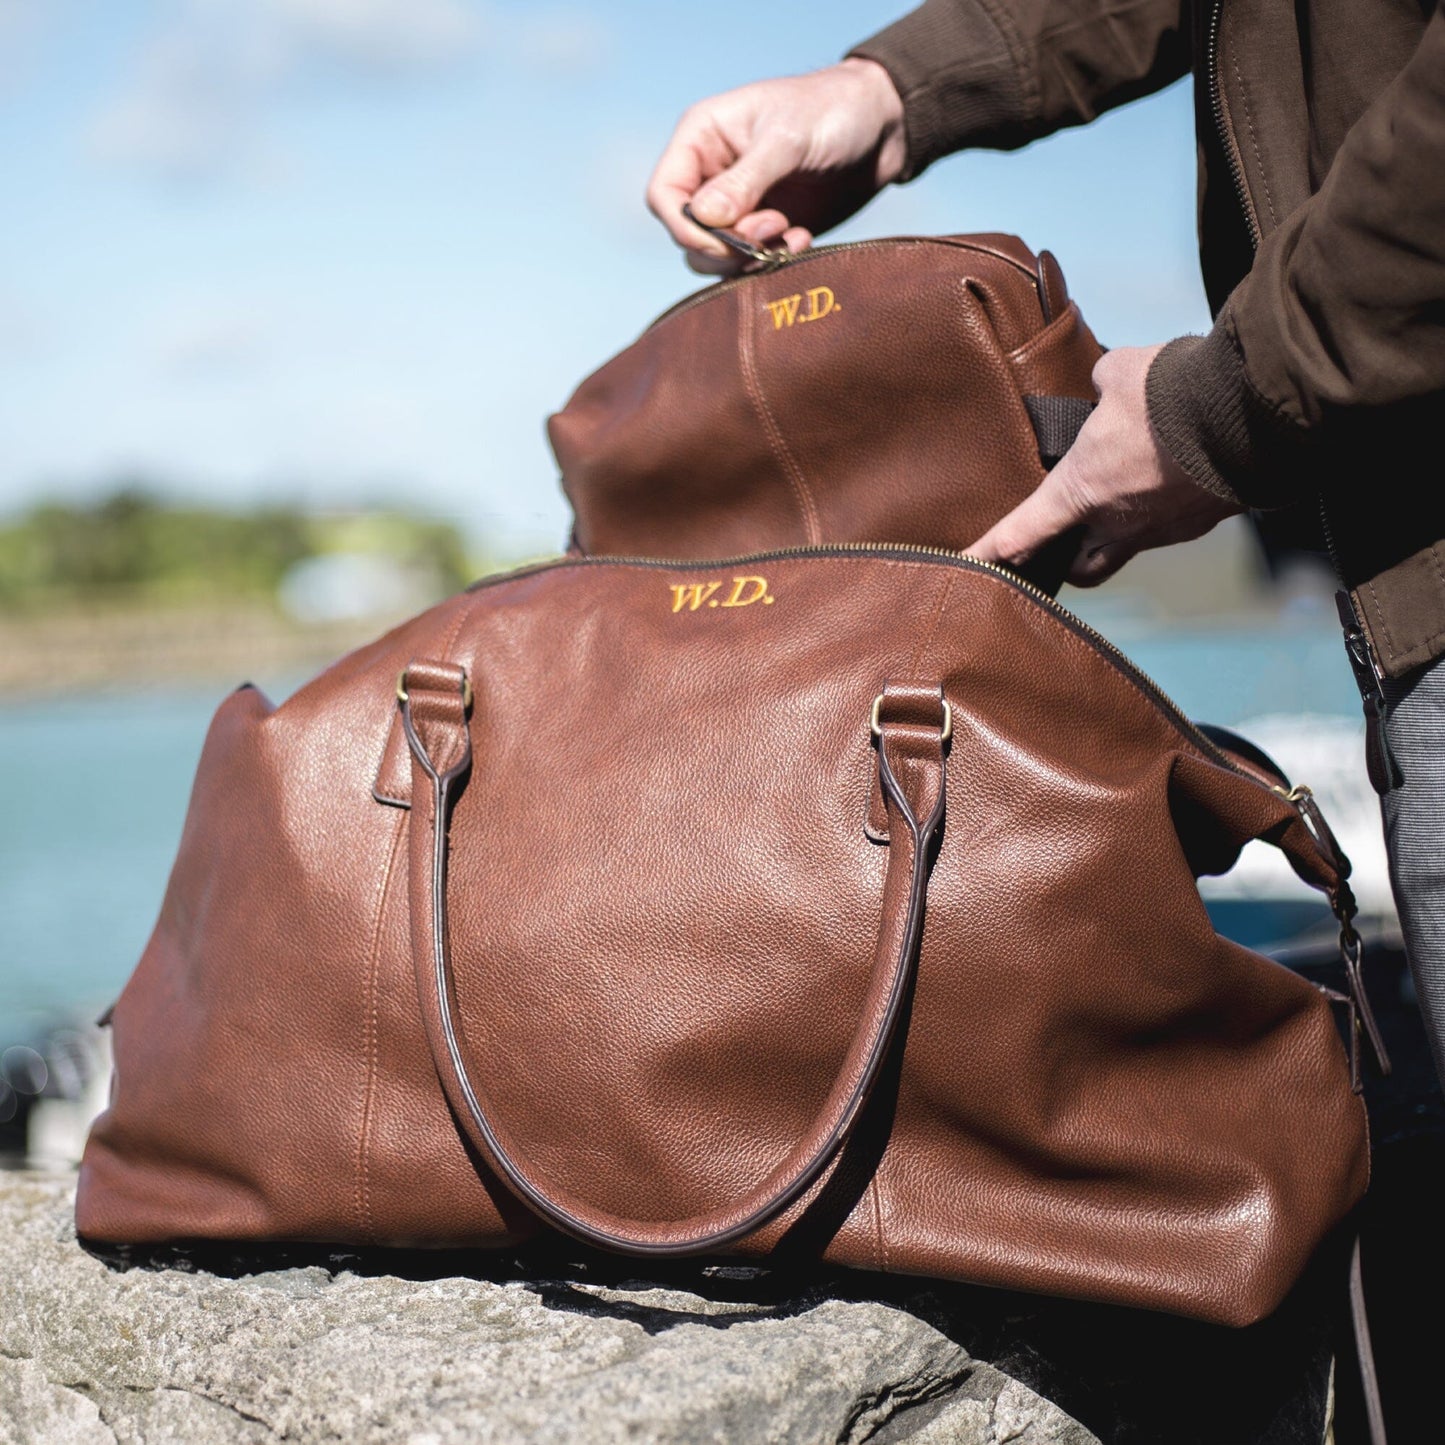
{"x":746,"y":591}
{"x":692,"y":595}
{"x":788,"y":311}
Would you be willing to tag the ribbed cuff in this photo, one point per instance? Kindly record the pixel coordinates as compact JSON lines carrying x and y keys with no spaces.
{"x":961,"y":79}
{"x":1211,"y":421}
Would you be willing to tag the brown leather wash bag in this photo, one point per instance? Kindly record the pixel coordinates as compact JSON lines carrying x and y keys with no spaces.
{"x":911,"y":390}
{"x":758,"y":907}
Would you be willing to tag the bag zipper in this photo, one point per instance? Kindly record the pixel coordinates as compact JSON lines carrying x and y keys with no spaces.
{"x":778,"y":260}
{"x":907,"y":551}
{"x":1299,"y":797}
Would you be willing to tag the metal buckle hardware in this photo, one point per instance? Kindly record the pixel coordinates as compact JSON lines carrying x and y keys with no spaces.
{"x":875,"y":723}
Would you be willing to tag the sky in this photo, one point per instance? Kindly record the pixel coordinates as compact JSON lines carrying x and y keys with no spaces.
{"x":354,"y":252}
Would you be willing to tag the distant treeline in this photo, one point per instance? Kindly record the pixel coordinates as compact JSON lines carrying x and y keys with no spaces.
{"x":133,"y":547}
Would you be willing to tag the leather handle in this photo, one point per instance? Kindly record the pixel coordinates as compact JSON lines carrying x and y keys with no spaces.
{"x":911,"y":741}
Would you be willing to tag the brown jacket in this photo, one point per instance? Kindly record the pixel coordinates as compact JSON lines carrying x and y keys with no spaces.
{"x":1321,"y":130}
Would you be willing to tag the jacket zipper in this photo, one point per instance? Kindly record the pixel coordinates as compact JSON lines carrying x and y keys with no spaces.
{"x":912,"y":552}
{"x":1369,"y":678}
{"x":1380,"y":764}
{"x":1384,"y":774}
{"x":1223,"y":127}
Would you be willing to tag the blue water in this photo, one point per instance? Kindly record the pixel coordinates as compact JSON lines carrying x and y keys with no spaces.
{"x":95,"y":791}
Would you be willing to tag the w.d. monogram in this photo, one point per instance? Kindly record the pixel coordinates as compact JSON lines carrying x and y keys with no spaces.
{"x":746,"y":591}
{"x":789,"y":312}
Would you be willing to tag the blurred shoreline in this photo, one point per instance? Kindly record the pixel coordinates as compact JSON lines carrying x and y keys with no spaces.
{"x":131,"y":591}
{"x":135,"y":648}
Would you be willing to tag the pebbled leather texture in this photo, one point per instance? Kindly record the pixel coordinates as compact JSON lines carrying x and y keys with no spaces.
{"x":869,"y":393}
{"x":910,"y":765}
{"x":662,"y":910}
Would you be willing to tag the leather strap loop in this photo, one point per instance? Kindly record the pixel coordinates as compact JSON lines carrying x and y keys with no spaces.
{"x":1309,"y":844}
{"x":911,"y":769}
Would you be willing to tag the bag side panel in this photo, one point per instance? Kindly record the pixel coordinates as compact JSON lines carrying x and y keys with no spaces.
{"x":663,"y":451}
{"x":1120,"y":1104}
{"x":248,"y":1052}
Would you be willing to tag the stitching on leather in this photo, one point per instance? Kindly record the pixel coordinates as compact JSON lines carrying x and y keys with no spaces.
{"x":1418,"y":650}
{"x":1254,"y":141}
{"x":1440,"y":577}
{"x":462,"y":614}
{"x":880,"y":1245}
{"x":1384,"y":626}
{"x":785,"y":458}
{"x":926,"y":641}
{"x":1423,"y":645}
{"x":870,"y":781}
{"x":364,"y":1219}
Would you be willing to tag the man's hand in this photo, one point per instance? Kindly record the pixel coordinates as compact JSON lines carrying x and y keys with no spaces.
{"x":1116,"y":486}
{"x":780,"y":159}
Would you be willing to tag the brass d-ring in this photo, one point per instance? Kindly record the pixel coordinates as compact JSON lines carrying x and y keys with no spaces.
{"x":401,"y":692}
{"x":875,"y":724}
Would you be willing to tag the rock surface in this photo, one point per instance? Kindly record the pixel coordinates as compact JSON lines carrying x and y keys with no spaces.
{"x":324,"y":1347}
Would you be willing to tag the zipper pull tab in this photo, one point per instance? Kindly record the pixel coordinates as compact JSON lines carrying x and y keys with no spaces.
{"x":1352,"y":947}
{"x":1315,"y":821}
{"x":1352,"y":950}
{"x":767,"y":260}
{"x":1380,"y":763}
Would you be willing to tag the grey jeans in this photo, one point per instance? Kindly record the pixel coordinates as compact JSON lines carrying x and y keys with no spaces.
{"x":1415,"y":836}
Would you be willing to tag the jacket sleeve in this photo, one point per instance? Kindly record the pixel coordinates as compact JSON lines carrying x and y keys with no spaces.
{"x":1340,"y":324}
{"x":1000,"y":73}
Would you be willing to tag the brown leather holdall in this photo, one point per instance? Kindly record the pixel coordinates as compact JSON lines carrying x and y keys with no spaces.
{"x":759,"y":907}
{"x":909,"y":390}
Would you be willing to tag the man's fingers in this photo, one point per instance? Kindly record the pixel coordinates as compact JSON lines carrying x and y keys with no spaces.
{"x":728,"y":199}
{"x":797,"y":239}
{"x":762,"y":228}
{"x":1047,"y":511}
{"x":731,"y":195}
{"x":666,"y":203}
{"x":772,"y":228}
{"x":708,"y":265}
{"x":675,"y":179}
{"x":1098,"y":563}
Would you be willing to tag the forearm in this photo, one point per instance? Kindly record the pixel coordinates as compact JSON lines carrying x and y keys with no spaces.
{"x":1000,"y":73}
{"x":1342,"y":317}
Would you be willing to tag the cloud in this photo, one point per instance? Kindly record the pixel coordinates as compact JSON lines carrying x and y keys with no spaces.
{"x":385,"y":35}
{"x":22,"y":335}
{"x":565,"y":41}
{"x":209,"y":344}
{"x":23,"y":27}
{"x":614,"y":181}
{"x":186,"y":111}
{"x":195,"y":104}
